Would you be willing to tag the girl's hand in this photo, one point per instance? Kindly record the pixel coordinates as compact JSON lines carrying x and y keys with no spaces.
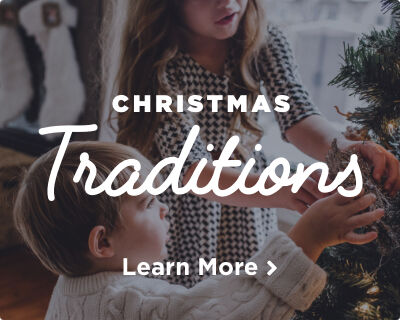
{"x":332,"y":220}
{"x":305,"y":197}
{"x":314,"y":135}
{"x":384,"y":163}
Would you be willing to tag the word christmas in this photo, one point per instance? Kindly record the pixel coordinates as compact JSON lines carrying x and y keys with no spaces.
{"x":195,"y":103}
{"x":286,"y":179}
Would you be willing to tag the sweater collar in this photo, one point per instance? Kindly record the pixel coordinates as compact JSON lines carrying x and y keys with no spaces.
{"x":87,"y":284}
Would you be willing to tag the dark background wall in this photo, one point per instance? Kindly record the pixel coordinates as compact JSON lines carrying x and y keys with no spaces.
{"x":88,"y":54}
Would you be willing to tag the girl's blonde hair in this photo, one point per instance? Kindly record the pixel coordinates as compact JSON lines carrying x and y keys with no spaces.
{"x":140,"y":37}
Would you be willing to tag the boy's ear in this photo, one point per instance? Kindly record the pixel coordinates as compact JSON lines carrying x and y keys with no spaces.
{"x":99,"y":244}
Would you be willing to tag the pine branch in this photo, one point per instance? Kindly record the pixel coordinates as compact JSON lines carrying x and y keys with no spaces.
{"x":364,"y":281}
{"x":372,"y":72}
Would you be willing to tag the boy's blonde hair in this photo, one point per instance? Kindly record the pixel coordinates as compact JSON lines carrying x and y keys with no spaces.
{"x":57,"y":232}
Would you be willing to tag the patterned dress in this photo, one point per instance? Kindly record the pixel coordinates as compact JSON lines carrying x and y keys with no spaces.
{"x":202,"y":228}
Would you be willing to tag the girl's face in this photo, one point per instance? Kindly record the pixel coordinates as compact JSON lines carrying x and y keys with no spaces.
{"x":217,"y":19}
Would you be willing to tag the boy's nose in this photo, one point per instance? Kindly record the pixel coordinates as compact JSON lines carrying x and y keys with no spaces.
{"x":163,"y":210}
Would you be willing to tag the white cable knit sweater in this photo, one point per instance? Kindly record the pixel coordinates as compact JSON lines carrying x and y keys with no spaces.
{"x":111,"y":295}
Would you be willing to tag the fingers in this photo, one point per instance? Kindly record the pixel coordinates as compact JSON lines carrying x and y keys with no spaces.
{"x":300,"y":206}
{"x":362,"y":193}
{"x":355,"y":238}
{"x":341,"y":200}
{"x":311,"y":186}
{"x":378,"y":158}
{"x":392,"y":171}
{"x":383,"y":162}
{"x":316,"y":175}
{"x":396,"y":188}
{"x":365,"y":219}
{"x":337,"y":198}
{"x":362,"y":220}
{"x":306,"y":197}
{"x":360,"y":204}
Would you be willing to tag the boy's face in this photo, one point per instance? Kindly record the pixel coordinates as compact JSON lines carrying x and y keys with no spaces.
{"x":217,"y":19}
{"x":142,"y":236}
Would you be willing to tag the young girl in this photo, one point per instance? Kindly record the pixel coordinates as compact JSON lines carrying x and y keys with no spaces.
{"x":217,"y":47}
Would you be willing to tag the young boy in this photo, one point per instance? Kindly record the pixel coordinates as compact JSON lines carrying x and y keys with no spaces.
{"x":84,"y":239}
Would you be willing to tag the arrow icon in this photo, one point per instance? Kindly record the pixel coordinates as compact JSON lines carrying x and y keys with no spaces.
{"x":273,"y":268}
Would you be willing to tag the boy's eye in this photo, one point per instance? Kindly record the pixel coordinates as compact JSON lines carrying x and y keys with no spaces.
{"x":151,"y":202}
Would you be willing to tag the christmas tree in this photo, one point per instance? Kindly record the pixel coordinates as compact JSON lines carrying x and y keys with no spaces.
{"x":364,"y":281}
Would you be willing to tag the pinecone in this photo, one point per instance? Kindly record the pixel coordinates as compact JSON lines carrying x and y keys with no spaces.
{"x":338,"y":160}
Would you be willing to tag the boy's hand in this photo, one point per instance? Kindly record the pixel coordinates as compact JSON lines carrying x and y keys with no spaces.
{"x":332,"y":220}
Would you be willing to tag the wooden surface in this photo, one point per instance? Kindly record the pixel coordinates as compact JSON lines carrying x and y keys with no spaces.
{"x":25,"y":286}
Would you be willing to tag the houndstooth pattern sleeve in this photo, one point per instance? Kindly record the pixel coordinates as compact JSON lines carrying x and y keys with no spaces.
{"x":171,"y":137}
{"x":279,"y":73}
